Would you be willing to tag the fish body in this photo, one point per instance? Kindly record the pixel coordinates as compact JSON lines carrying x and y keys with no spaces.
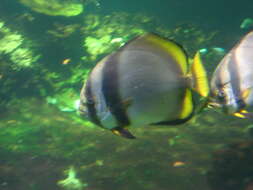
{"x":232,"y":81}
{"x":144,"y":82}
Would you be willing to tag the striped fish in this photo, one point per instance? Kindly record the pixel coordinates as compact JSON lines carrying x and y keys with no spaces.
{"x":232,"y":81}
{"x":148,"y":81}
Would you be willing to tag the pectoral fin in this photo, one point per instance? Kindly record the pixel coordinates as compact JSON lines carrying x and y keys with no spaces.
{"x":123,"y":132}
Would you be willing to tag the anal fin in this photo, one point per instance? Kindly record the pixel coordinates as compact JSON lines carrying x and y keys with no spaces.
{"x":244,"y":114}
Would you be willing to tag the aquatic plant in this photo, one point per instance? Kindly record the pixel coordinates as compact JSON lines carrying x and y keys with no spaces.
{"x":17,"y":48}
{"x":17,"y":56}
{"x":71,"y":182}
{"x":14,"y":41}
{"x":55,"y":7}
{"x":63,"y":31}
{"x":23,"y":57}
{"x":66,"y":101}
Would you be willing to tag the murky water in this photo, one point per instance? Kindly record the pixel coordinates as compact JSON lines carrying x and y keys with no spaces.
{"x":47,"y":49}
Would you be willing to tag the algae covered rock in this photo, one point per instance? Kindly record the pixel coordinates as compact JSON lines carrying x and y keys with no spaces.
{"x":71,"y":182}
{"x":55,"y":7}
{"x":18,"y":57}
{"x":103,"y":34}
{"x":16,"y":48}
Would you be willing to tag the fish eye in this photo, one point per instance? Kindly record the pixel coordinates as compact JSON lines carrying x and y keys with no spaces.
{"x":221,"y":96}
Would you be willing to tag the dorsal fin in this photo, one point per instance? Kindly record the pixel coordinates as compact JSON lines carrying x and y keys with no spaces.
{"x":172,"y":48}
{"x":199,"y":76}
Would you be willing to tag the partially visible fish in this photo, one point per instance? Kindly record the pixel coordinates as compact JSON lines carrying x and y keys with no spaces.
{"x":232,"y":81}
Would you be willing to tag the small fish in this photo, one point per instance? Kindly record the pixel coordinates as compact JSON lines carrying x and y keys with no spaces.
{"x":232,"y":81}
{"x":148,"y":81}
{"x":66,"y":61}
{"x":246,"y":23}
{"x":178,"y":164}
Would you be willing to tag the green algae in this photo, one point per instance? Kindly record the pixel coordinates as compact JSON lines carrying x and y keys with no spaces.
{"x":15,"y":40}
{"x":41,"y":130}
{"x":103,"y":34}
{"x":17,"y":48}
{"x":71,"y":182}
{"x":66,"y":8}
{"x":23,"y":57}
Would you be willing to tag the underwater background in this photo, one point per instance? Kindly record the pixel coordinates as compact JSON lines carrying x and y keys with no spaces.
{"x":47,"y":48}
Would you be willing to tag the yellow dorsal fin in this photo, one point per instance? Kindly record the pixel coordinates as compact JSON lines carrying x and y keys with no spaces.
{"x":199,"y":76}
{"x":172,"y":48}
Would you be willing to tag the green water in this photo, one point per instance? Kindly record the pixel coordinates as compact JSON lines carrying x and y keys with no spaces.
{"x":47,"y":49}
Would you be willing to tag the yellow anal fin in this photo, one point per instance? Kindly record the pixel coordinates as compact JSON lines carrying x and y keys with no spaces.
{"x":187,"y":105}
{"x":243,"y":114}
{"x":199,"y":76}
{"x":123,"y":132}
{"x":238,"y":114}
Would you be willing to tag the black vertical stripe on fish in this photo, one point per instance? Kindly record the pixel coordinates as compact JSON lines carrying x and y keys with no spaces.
{"x":92,"y":113}
{"x":235,"y":83}
{"x":110,"y":90}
